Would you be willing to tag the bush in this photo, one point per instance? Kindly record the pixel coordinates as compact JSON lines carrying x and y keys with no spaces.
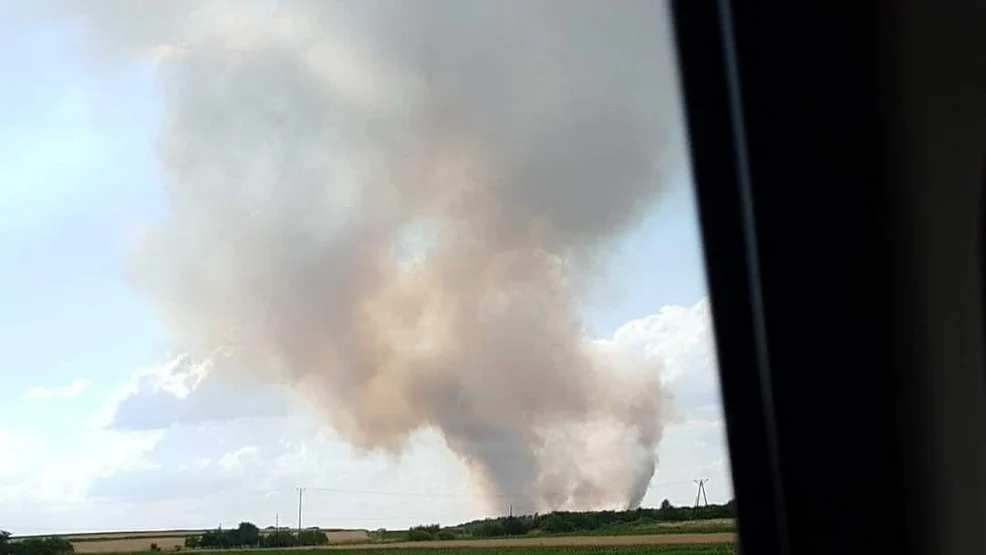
{"x":312,"y":537}
{"x":556,"y":524}
{"x":154,"y":547}
{"x":37,"y":546}
{"x":419,"y":535}
{"x":281,"y":538}
{"x":423,"y":533}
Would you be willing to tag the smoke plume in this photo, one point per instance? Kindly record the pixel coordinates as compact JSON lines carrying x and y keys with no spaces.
{"x":395,"y":208}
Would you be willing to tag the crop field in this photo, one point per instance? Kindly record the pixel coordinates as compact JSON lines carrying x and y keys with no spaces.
{"x":572,"y":548}
{"x":133,"y":542}
{"x":359,"y":541}
{"x":665,"y":541}
{"x":666,"y":544}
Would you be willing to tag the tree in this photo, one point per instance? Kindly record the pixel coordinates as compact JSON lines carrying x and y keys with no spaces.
{"x":422,"y":533}
{"x":4,"y":542}
{"x":39,"y":546}
{"x":280,"y":538}
{"x":666,"y":505}
{"x":209,"y":539}
{"x":247,"y":533}
{"x":513,"y":526}
{"x":556,"y":524}
{"x":312,"y":537}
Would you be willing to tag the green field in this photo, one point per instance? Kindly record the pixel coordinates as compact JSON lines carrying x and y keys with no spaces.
{"x":643,"y":527}
{"x":648,"y":529}
{"x":694,"y":549}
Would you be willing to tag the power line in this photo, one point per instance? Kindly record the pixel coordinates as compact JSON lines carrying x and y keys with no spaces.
{"x":448,"y":494}
{"x":701,"y":491}
{"x":388,"y":493}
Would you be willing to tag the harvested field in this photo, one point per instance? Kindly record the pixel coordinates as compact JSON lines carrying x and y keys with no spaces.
{"x":128,"y":542}
{"x":348,"y":536}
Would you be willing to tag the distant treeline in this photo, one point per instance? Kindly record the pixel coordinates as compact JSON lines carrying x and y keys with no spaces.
{"x":248,"y":534}
{"x":33,"y":546}
{"x":572,"y":522}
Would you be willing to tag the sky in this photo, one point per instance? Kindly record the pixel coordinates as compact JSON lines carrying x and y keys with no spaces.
{"x":104,"y":426}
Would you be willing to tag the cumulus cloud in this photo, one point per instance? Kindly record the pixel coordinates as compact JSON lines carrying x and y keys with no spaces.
{"x":73,"y":389}
{"x":682,"y":337}
{"x":184,"y":392}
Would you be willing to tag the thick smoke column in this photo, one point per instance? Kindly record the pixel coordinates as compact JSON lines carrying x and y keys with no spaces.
{"x":394,"y":207}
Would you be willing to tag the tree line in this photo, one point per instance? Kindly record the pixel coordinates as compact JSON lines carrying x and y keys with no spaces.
{"x":34,"y":546}
{"x":248,"y":534}
{"x":565,"y":522}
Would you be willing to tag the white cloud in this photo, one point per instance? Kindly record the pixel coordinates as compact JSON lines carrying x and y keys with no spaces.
{"x":185,"y":392}
{"x":18,"y":453}
{"x":182,"y":445}
{"x":683,"y":338}
{"x":46,"y":476}
{"x":46,"y":393}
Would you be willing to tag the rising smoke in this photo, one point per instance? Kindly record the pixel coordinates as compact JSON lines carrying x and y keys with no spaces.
{"x":395,"y":207}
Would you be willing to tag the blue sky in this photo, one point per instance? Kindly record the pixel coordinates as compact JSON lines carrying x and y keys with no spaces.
{"x":78,"y":182}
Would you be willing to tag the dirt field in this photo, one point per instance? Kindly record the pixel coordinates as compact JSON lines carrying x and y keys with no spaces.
{"x":123,"y":542}
{"x":120,"y":545}
{"x":347,"y":536}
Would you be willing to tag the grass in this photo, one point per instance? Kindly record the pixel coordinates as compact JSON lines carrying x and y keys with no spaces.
{"x":638,"y":528}
{"x":686,"y":549}
{"x":650,"y":528}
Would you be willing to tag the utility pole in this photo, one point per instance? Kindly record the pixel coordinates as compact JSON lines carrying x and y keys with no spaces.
{"x":277,"y":529}
{"x":701,"y":492}
{"x":301,"y":492}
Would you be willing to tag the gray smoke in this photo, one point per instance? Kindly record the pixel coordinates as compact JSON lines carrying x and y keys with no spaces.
{"x":394,"y":208}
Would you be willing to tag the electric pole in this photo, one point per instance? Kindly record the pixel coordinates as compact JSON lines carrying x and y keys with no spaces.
{"x":301,"y":492}
{"x":701,"y":491}
{"x":277,"y":529}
